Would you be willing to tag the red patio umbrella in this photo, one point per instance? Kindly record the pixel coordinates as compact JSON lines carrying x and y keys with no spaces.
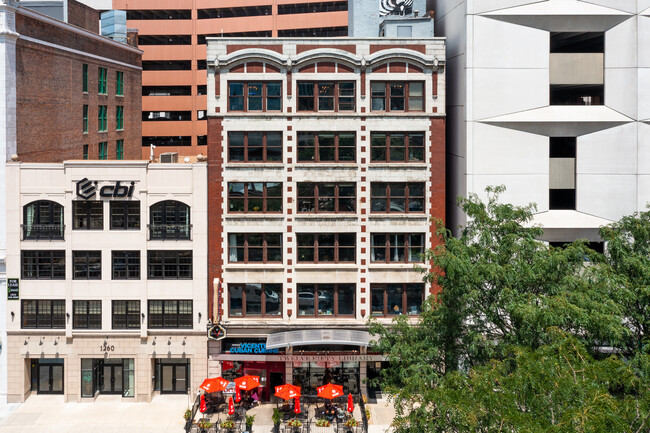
{"x":231,"y":407}
{"x":330,"y":391}
{"x":237,"y":395}
{"x":296,"y":408}
{"x":287,"y":391}
{"x":202,"y":406}
{"x":214,"y":384}
{"x":350,"y":403}
{"x":247,"y":382}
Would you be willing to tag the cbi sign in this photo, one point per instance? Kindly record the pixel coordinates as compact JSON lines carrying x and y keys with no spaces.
{"x":87,"y":189}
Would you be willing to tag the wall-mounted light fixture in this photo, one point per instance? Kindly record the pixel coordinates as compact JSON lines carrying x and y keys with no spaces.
{"x":67,"y":315}
{"x":143,"y":315}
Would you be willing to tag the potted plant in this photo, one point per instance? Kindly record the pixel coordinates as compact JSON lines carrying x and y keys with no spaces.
{"x":277,"y":419}
{"x":228,"y":425}
{"x":351,"y":423}
{"x":322,"y":423}
{"x":250,"y":419}
{"x":294,"y":423}
{"x":204,"y":424}
{"x":187,"y":415}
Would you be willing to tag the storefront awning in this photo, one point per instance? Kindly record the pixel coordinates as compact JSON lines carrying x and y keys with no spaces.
{"x":318,"y":336}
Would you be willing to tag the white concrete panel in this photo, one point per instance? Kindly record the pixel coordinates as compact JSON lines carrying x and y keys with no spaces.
{"x":451,"y":23}
{"x":620,"y":90}
{"x":621,"y":45}
{"x":643,"y":25}
{"x":456,"y":131}
{"x":502,"y":45}
{"x":644,"y":148}
{"x":501,"y":150}
{"x":622,"y":5}
{"x":481,"y":6}
{"x":520,"y":189}
{"x":644,"y":193}
{"x":456,"y":89}
{"x":504,"y":91}
{"x":644,"y":93}
{"x":612,"y":151}
{"x":606,"y":196}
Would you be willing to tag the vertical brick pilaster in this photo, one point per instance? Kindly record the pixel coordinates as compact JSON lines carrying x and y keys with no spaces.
{"x":434,"y":83}
{"x":437,"y":193}
{"x":215,"y":211}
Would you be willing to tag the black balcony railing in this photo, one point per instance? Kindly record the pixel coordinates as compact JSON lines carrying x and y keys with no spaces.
{"x":43,"y":231}
{"x":170,"y":232}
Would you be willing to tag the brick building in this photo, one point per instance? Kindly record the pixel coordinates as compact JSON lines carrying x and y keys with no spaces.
{"x":326,"y":162}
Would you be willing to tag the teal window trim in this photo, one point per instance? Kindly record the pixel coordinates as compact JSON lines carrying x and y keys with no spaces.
{"x":101,"y":83}
{"x":85,"y":119}
{"x":119,"y":83}
{"x":103,"y":150}
{"x":85,"y":77}
{"x":119,"y":149}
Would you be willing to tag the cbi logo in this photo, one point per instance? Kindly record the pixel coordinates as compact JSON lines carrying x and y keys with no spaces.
{"x":86,"y":189}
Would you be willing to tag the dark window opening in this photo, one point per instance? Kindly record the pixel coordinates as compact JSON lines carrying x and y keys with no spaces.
{"x":87,"y":265}
{"x":167,"y":141}
{"x":43,"y":314}
{"x":255,"y":300}
{"x":125,"y":215}
{"x":166,"y":65}
{"x":43,"y":219}
{"x":314,"y":32}
{"x":126,"y":315}
{"x":165,"y":40}
{"x":234,"y":12}
{"x":577,"y":42}
{"x":576,"y":94}
{"x":562,"y":147}
{"x":170,"y":314}
{"x":169,"y":219}
{"x":87,"y":314}
{"x":169,"y":265}
{"x":562,"y":199}
{"x":181,"y":14}
{"x":201,"y":65}
{"x":202,"y":90}
{"x":126,"y":265}
{"x":310,"y":8}
{"x":202,"y":140}
{"x":327,"y":197}
{"x":258,"y":34}
{"x":166,"y":90}
{"x":43,"y":265}
{"x":157,"y":116}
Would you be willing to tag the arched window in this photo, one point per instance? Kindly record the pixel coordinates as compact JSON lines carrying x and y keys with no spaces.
{"x":170,"y":220}
{"x":43,"y":219}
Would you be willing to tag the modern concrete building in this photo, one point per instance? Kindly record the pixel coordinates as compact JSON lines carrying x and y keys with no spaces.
{"x":107,"y":271}
{"x":550,"y":99}
{"x":325,"y":166}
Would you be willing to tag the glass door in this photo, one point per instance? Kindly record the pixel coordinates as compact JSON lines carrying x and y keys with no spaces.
{"x":174,"y":379}
{"x":50,"y":378}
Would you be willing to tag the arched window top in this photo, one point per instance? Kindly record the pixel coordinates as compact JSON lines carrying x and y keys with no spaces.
{"x":43,"y":219}
{"x":169,"y":219}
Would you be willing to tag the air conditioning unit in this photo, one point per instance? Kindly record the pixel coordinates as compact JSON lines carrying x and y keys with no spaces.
{"x":169,"y":157}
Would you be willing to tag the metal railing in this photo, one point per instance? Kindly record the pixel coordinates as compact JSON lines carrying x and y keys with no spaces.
{"x":42,"y":231}
{"x":169,"y":232}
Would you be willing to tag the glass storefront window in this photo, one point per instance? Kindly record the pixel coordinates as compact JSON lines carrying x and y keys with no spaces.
{"x":311,"y":375}
{"x":129,"y":378}
{"x":87,"y":385}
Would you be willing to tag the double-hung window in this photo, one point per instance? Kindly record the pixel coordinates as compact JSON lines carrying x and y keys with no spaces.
{"x":85,"y":119}
{"x":396,"y":247}
{"x":126,"y":265}
{"x":397,"y":96}
{"x":43,"y":264}
{"x":170,"y":314}
{"x":125,"y":215}
{"x":84,"y":77}
{"x":88,"y":215}
{"x":119,"y":83}
{"x":87,"y":314}
{"x":327,"y":197}
{"x":327,"y":147}
{"x":396,"y":299}
{"x":101,"y":81}
{"x":43,"y":314}
{"x":255,"y":146}
{"x":326,"y":247}
{"x":255,"y":247}
{"x":397,"y":147}
{"x":169,"y":265}
{"x":326,"y":96}
{"x":102,"y":118}
{"x":321,"y":300}
{"x":397,"y":197}
{"x":255,"y":197}
{"x":87,"y":265}
{"x":126,"y":315}
{"x":255,"y":300}
{"x":119,"y":149}
{"x":103,"y":150}
{"x":254,"y":96}
{"x":119,"y":117}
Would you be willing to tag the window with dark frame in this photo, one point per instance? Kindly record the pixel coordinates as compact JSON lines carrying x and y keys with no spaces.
{"x":85,"y":151}
{"x":326,"y":197}
{"x":262,"y":300}
{"x":84,"y":77}
{"x":327,"y":247}
{"x":327,"y":147}
{"x":86,"y":314}
{"x":119,"y":83}
{"x":85,"y":119}
{"x":255,"y":247}
{"x":43,"y":264}
{"x":169,"y":265}
{"x":43,"y":219}
{"x":170,"y":314}
{"x":88,"y":215}
{"x":126,"y":315}
{"x":326,"y":96}
{"x":125,"y":265}
{"x":255,"y":197}
{"x":397,"y":247}
{"x":396,"y":299}
{"x":42,"y":314}
{"x":258,"y":96}
{"x":101,"y":81}
{"x":102,"y":119}
{"x":397,"y":96}
{"x":397,"y":197}
{"x":125,"y":215}
{"x":119,"y":149}
{"x":87,"y":265}
{"x":321,"y":300}
{"x":119,"y":117}
{"x":396,"y":147}
{"x":103,"y":150}
{"x":169,"y":219}
{"x":255,"y":146}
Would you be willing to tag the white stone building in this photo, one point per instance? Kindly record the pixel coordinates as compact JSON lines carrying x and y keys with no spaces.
{"x":108,"y":261}
{"x":550,"y":99}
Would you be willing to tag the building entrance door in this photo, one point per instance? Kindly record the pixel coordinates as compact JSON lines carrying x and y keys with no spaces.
{"x":50,"y":377}
{"x":173,"y":379}
{"x":111,"y":377}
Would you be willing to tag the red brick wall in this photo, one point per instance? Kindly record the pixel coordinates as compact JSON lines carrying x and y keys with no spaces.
{"x":437,"y":193}
{"x":83,"y":16}
{"x":215,"y":210}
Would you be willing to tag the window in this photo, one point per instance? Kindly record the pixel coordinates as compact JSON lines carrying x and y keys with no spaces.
{"x":165,"y":40}
{"x":126,"y":315}
{"x":88,"y":215}
{"x":159,"y":14}
{"x":166,"y":90}
{"x":102,"y":120}
{"x":169,"y":265}
{"x":87,"y":265}
{"x":43,"y":264}
{"x":326,"y":96}
{"x":85,"y":119}
{"x":396,"y":299}
{"x":169,"y":220}
{"x":43,"y":314}
{"x":262,"y":197}
{"x":326,"y":197}
{"x":397,"y":96}
{"x":170,"y":314}
{"x":101,"y":81}
{"x":326,"y":247}
{"x":562,"y":173}
{"x":85,"y":151}
{"x":119,"y":83}
{"x":43,"y":219}
{"x":255,"y":300}
{"x":326,"y":300}
{"x":397,"y":147}
{"x":84,"y":77}
{"x":166,"y":65}
{"x":327,"y":147}
{"x":202,"y":90}
{"x":308,"y":8}
{"x":396,"y":247}
{"x":254,"y":247}
{"x":119,"y":117}
{"x":397,"y":197}
{"x":126,"y":265}
{"x":125,"y":215}
{"x":254,"y":96}
{"x":166,"y":116}
{"x":119,"y":149}
{"x":87,"y":314}
{"x":255,"y":146}
{"x":183,"y":140}
{"x":103,"y":150}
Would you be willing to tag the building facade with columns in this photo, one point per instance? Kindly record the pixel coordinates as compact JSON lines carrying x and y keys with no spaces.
{"x":107,"y":276}
{"x":325,"y":167}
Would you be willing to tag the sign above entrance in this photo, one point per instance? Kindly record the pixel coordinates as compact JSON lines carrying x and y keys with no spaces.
{"x":87,"y":189}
